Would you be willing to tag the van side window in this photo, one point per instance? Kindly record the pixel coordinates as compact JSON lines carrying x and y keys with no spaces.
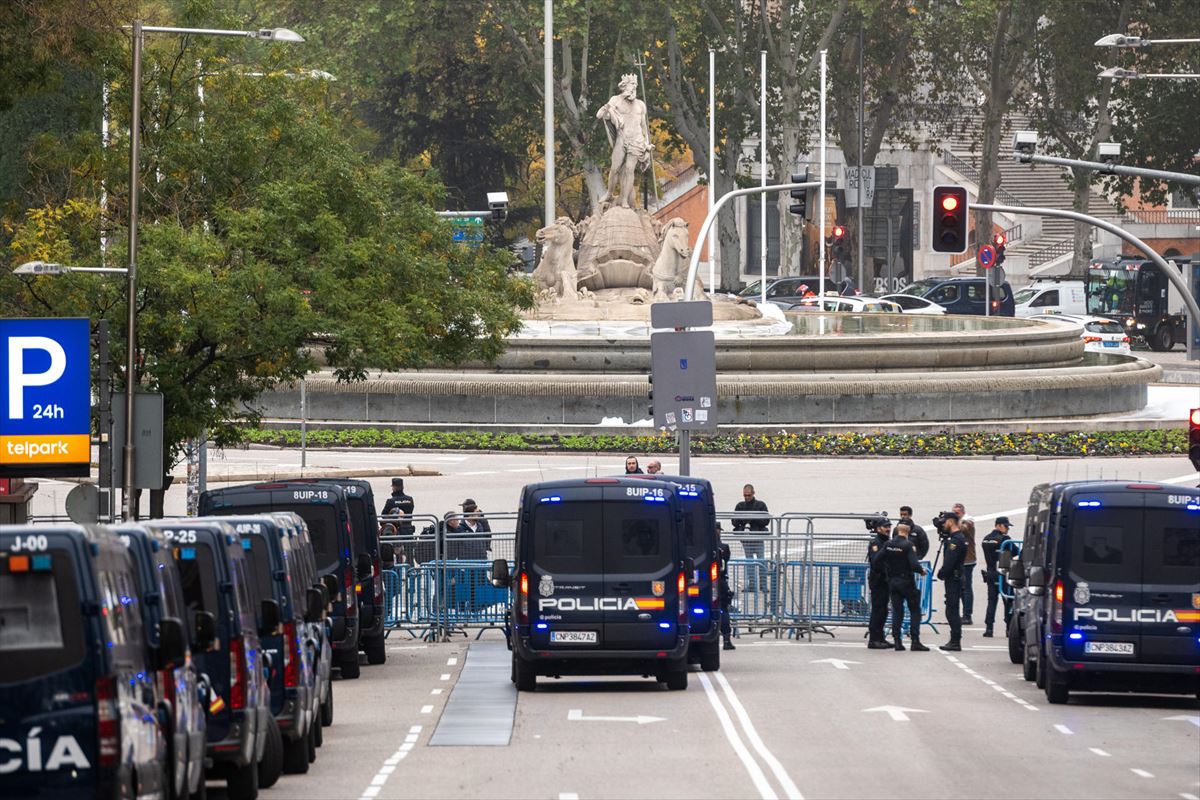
{"x":947,"y":293}
{"x":1049,"y":298}
{"x":975,"y":291}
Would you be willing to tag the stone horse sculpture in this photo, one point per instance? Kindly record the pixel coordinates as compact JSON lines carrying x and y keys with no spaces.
{"x":556,"y":271}
{"x":671,"y":267}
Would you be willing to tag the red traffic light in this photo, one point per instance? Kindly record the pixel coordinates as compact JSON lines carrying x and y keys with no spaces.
{"x":949,"y":202}
{"x":949,"y":223}
{"x":999,"y":240}
{"x":838,"y":231}
{"x":1194,"y":418}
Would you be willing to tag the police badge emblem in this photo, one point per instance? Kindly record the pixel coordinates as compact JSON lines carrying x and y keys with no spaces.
{"x":1196,"y":601}
{"x":1082,"y":593}
{"x":658,"y":587}
{"x":546,"y":586}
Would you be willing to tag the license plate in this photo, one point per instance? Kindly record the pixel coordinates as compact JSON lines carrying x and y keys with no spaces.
{"x":573,"y":637}
{"x":1112,"y":344}
{"x":1109,"y":648}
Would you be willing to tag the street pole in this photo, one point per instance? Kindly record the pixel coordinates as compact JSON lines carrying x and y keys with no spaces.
{"x":861,"y":113}
{"x":548,"y":92}
{"x":762,"y":169}
{"x":712,"y":159}
{"x":1110,"y":169}
{"x":104,"y":389}
{"x":135,"y":143}
{"x":821,"y":196}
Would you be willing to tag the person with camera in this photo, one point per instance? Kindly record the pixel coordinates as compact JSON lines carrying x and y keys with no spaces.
{"x":877,"y":582}
{"x":992,"y":544}
{"x":954,"y":552}
{"x":901,"y":565}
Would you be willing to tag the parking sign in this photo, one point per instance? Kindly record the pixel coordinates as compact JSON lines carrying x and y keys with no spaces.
{"x":45,"y":398}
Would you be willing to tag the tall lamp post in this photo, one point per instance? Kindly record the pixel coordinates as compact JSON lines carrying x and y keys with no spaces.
{"x":135,"y":142}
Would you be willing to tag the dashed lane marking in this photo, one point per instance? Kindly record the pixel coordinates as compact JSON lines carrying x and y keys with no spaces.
{"x":568,"y":796}
{"x":1187,"y":796}
{"x":1100,"y":752}
{"x":450,"y":662}
{"x":436,"y":691}
{"x":1063,"y":729}
{"x":426,"y":709}
{"x":445,"y":676}
{"x":389,"y":765}
{"x":1141,"y":773}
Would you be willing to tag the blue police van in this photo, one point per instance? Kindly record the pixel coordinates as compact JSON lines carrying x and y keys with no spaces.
{"x":77,"y":684}
{"x":181,"y":713}
{"x":1108,"y":588}
{"x":600,"y":582}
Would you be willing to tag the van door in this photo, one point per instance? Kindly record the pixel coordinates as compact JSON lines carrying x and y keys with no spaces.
{"x":1171,"y":582}
{"x":566,"y":572}
{"x":640,"y":573}
{"x":1102,"y":586}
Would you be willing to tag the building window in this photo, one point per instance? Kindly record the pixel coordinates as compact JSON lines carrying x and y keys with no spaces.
{"x":1184,"y":200}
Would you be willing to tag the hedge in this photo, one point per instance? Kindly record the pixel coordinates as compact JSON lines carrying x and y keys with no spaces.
{"x":1101,"y":443}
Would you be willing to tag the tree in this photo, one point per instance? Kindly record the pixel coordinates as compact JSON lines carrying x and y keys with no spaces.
{"x":266,"y":240}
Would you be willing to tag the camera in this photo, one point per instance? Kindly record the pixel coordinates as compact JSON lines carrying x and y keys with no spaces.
{"x":874,"y":522}
{"x":1108,"y":152}
{"x":939,"y":522}
{"x":1025,"y":142}
{"x":498,"y":205}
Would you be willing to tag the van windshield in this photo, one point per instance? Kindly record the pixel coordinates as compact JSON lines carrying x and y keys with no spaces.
{"x":1172,"y":547}
{"x":199,"y":578}
{"x":637,"y":537}
{"x":569,"y":538}
{"x":322,"y":521}
{"x":36,"y":637}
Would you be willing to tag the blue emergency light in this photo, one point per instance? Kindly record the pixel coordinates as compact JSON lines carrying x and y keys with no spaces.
{"x":1088,"y":504}
{"x":552,"y":499}
{"x":664,"y":625}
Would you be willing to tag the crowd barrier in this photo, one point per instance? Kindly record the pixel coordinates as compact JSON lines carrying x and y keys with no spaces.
{"x":805,"y":573}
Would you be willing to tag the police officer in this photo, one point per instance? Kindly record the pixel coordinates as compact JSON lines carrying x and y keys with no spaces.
{"x":877,"y":583}
{"x":954,"y":552}
{"x":726,"y":595}
{"x":991,"y":575}
{"x":399,"y":503}
{"x":901,"y":565}
{"x":916,"y":534}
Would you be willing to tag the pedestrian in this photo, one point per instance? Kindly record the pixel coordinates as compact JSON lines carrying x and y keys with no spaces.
{"x":916,"y":534}
{"x":475,"y":524}
{"x":992,"y":544}
{"x":954,"y":550}
{"x":967,"y":527}
{"x":399,"y":503}
{"x":901,"y":565}
{"x":654,"y":467}
{"x":753,"y":545}
{"x":462,"y":541}
{"x":726,"y":592}
{"x":631,"y":466}
{"x":877,"y":583}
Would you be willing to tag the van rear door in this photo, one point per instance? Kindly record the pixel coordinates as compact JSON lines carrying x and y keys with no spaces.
{"x":1171,"y":579}
{"x":1102,"y":590}
{"x":640,"y":570}
{"x":566,"y":576}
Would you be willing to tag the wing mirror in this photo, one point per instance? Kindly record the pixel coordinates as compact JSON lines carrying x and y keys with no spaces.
{"x":315,"y":611}
{"x":500,"y":576}
{"x":689,"y":569}
{"x":331,"y":584}
{"x":1016,"y":574}
{"x":363,"y":566}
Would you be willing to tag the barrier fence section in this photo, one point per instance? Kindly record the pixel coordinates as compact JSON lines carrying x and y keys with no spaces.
{"x":794,"y":574}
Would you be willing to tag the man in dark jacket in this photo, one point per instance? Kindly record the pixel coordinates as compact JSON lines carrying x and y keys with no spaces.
{"x":901,"y":565}
{"x":754,"y":547}
{"x":954,"y":552}
{"x":877,"y":584}
{"x":726,"y":594}
{"x":991,"y":545}
{"x":399,"y":503}
{"x":916,"y":534}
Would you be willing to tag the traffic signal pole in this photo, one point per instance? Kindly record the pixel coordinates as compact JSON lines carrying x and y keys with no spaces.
{"x":1172,"y":275}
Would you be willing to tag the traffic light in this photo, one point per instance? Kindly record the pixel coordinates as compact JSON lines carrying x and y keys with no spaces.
{"x":1194,"y":438}
{"x":799,"y":205}
{"x":998,"y":242}
{"x":949,"y":219}
{"x":838,"y":242}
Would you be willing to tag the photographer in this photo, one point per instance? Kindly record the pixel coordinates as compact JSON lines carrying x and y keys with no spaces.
{"x":954,"y":552}
{"x":877,"y":583}
{"x":992,"y":543}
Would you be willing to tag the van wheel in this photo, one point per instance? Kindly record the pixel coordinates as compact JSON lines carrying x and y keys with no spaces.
{"x":1016,"y":652}
{"x":677,"y":679}
{"x":1058,"y":687}
{"x":295,"y":756}
{"x":1028,"y":667}
{"x":1040,"y":670}
{"x":311,"y":741}
{"x":349,"y":665}
{"x":1161,"y":340}
{"x":710,"y":656}
{"x":326,"y":715}
{"x":375,"y":652}
{"x":271,"y":766}
{"x":243,"y":782}
{"x":524,"y":676}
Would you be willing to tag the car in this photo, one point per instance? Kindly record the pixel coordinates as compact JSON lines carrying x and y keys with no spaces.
{"x":863,"y":304}
{"x":1099,"y":334}
{"x":600,"y":582}
{"x":275,"y":573}
{"x":183,"y":717}
{"x":911,"y":304}
{"x":789,"y":289}
{"x":1107,"y":583}
{"x":77,"y":682}
{"x":326,"y":513}
{"x":964,"y":295}
{"x":212,"y":566}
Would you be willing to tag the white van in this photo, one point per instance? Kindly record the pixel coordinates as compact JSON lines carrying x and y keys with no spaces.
{"x":1051,"y":297}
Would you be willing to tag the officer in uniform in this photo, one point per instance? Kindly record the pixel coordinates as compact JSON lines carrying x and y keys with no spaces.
{"x":726,"y":595}
{"x":901,"y":566}
{"x":877,"y":583}
{"x":399,"y":503}
{"x":991,"y":575}
{"x":954,"y":552}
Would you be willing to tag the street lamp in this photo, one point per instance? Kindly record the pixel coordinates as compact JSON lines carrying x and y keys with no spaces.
{"x":1120,"y":74}
{"x":139,"y":31}
{"x":1121,"y":40}
{"x":52,"y":268}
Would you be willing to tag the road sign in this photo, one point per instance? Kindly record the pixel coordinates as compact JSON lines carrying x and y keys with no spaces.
{"x":868,"y":186}
{"x":986,"y":256}
{"x":689,"y":314}
{"x":683,"y":366}
{"x":996,"y":276}
{"x":147,"y":439}
{"x":45,"y":398}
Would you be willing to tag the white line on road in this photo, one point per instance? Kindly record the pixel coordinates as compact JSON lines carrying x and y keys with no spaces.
{"x":576,"y":715}
{"x":436,"y":691}
{"x":445,"y":676}
{"x":789,"y":788}
{"x":1186,"y":796}
{"x":481,"y":472}
{"x":1100,"y":752}
{"x":1141,"y":773}
{"x":735,"y":741}
{"x":1063,"y":729}
{"x":426,"y":709}
{"x":450,"y":662}
{"x":568,"y":796}
{"x":389,"y":766}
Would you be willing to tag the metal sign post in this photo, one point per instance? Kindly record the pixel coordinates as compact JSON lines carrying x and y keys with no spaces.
{"x":986,"y":258}
{"x":683,"y":372}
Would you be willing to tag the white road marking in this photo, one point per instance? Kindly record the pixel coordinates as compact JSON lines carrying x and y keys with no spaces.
{"x":436,"y":691}
{"x":576,"y":715}
{"x":1184,"y":718}
{"x":897,"y":713}
{"x":406,"y":747}
{"x":1063,"y":729}
{"x":389,"y":765}
{"x":450,"y":662}
{"x":525,"y":469}
{"x":412,"y":737}
{"x":445,"y":676}
{"x":371,"y":791}
{"x":735,"y":741}
{"x":1186,"y":796}
{"x":1100,"y":752}
{"x":1141,"y":773}
{"x":836,"y":662}
{"x":1015,"y":512}
{"x":789,"y":788}
{"x":568,"y":796}
{"x":387,"y":770}
{"x":426,"y":709}
{"x":481,"y":472}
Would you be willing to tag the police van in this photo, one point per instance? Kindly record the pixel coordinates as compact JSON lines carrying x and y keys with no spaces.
{"x":1109,"y":588}
{"x":217,"y":591}
{"x":182,"y":715}
{"x":700,"y":544}
{"x":600,"y":580}
{"x":77,"y":694}
{"x":326,"y":512}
